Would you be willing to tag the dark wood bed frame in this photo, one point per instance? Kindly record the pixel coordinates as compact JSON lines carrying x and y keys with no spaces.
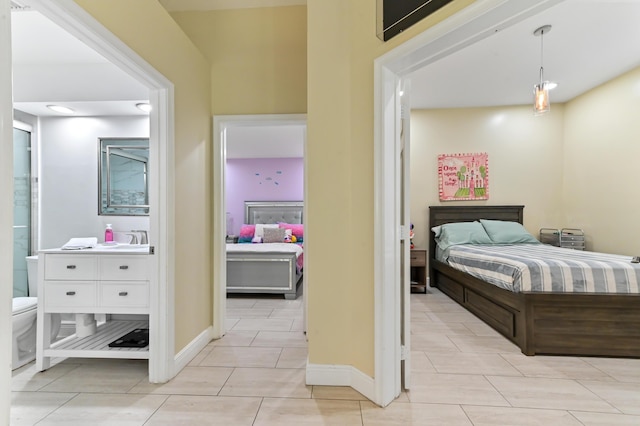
{"x":539,"y":323}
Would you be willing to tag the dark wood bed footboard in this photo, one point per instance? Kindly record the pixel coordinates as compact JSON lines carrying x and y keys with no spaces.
{"x":584,"y":324}
{"x":539,"y":323}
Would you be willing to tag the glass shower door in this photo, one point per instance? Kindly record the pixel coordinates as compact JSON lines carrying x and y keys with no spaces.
{"x":21,"y":209}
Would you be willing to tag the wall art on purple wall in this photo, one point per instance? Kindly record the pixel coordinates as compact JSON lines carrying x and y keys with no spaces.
{"x":261,"y":179}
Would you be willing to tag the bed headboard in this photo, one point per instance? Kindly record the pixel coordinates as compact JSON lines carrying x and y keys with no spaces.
{"x":273,"y":212}
{"x":439,"y":215}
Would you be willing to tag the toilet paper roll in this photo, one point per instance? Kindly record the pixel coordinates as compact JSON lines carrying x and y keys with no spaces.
{"x":86,"y":325}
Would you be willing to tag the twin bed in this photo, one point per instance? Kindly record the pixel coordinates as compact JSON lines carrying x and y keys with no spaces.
{"x":594,"y":313}
{"x":267,"y":268}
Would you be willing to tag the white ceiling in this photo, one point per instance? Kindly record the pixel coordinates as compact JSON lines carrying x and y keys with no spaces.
{"x":266,"y":141}
{"x":52,"y":66}
{"x":591,"y":42}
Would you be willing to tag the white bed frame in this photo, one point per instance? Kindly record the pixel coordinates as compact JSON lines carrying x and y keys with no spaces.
{"x":266,"y":273}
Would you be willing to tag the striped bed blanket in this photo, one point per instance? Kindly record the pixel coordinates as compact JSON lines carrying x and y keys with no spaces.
{"x":544,"y":268}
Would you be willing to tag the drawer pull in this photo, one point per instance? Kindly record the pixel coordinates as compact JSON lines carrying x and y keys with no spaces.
{"x":124,"y":267}
{"x":71,"y":266}
{"x":123,"y":293}
{"x":71,"y":293}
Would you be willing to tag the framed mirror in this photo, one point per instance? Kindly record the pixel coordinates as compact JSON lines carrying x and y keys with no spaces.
{"x":123,"y":171}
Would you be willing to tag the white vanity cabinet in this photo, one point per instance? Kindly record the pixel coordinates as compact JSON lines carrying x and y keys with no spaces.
{"x":92,"y":282}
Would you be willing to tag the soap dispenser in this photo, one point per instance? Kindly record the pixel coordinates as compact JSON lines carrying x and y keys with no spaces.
{"x":108,"y":234}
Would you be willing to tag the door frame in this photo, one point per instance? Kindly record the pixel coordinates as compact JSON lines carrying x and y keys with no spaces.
{"x":6,"y":215}
{"x":474,"y":23}
{"x":221,"y":123}
{"x":75,"y":20}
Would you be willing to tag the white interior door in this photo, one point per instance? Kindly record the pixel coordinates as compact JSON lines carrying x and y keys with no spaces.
{"x":405,"y":223}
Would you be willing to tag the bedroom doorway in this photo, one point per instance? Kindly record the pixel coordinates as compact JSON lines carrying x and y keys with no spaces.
{"x":241,"y":147}
{"x":474,"y":23}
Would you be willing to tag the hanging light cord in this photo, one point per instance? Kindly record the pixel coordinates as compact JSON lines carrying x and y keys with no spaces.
{"x":541,"y":55}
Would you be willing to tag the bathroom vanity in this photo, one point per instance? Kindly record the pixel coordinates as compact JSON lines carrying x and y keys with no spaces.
{"x":108,"y":280}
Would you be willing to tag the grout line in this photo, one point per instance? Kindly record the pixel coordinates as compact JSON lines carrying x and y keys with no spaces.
{"x":157,"y":409}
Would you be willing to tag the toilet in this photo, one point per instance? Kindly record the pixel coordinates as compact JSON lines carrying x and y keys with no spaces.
{"x":24,"y":319}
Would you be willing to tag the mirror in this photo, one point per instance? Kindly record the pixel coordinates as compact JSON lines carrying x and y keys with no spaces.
{"x":123,"y":168}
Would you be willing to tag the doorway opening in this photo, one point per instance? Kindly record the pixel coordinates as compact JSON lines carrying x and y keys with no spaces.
{"x":78,"y":23}
{"x":228,"y":213}
{"x":474,"y":23}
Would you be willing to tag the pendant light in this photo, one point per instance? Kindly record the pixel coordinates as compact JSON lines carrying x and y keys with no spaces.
{"x":541,"y":103}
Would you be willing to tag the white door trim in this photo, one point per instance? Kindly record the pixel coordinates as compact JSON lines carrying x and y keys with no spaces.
{"x":74,"y":19}
{"x":6,"y":214}
{"x":470,"y":25}
{"x":221,"y":123}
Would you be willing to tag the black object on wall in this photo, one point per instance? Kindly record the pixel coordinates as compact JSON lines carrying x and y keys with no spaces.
{"x":398,"y":15}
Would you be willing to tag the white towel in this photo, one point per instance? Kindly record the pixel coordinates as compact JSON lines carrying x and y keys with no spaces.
{"x":80,"y":243}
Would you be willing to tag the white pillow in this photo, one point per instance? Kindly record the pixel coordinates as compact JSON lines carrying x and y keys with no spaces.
{"x":260,"y":228}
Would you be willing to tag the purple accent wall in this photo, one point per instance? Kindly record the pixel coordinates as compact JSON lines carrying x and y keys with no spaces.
{"x":261,"y":179}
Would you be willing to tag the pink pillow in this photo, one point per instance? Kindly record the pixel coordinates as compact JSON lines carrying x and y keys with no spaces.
{"x":296,"y":229}
{"x":247,"y":231}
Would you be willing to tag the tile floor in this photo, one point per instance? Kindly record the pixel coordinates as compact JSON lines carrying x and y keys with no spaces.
{"x":464,"y":373}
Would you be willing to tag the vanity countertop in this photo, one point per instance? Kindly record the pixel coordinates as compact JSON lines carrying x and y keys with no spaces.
{"x":105,"y":249}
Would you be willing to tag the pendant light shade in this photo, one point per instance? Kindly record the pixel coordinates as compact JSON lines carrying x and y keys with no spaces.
{"x":541,"y":102}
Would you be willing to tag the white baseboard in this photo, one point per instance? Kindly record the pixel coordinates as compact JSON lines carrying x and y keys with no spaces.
{"x":341,"y":375}
{"x":193,"y":348}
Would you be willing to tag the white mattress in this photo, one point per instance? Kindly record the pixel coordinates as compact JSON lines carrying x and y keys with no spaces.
{"x":265,"y":248}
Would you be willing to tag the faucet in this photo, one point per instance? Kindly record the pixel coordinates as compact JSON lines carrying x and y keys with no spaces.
{"x":134,"y":239}
{"x":144,"y":236}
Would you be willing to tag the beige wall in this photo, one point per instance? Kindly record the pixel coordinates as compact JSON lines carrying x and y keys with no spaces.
{"x":342,"y":46}
{"x":601,"y":191}
{"x":258,"y":57}
{"x":525,"y":160}
{"x":574,"y":167}
{"x":147,"y":28}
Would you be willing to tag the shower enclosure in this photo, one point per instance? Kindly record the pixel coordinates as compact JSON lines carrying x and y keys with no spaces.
{"x":21,"y":209}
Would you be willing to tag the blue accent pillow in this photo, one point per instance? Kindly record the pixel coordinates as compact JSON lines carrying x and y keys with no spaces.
{"x":451,"y":234}
{"x":507,"y":232}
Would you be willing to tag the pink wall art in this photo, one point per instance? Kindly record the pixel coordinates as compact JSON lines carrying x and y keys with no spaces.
{"x":463,"y":177}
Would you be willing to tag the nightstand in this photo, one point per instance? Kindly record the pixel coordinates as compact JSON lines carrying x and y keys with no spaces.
{"x":418,"y":271}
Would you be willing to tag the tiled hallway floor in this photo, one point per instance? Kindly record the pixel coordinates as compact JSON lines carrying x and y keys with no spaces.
{"x":463,"y":373}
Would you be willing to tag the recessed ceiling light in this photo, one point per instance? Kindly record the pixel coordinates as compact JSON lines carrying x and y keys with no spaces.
{"x":61,"y":109}
{"x":143,"y":106}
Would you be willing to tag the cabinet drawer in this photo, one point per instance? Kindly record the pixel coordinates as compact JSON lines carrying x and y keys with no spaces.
{"x":418,"y":257}
{"x":70,"y":267}
{"x":69,"y":294}
{"x":123,"y":268}
{"x":124,"y":294}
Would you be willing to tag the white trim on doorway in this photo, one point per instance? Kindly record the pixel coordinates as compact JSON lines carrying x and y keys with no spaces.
{"x":6,"y":214}
{"x":472,"y":24}
{"x":75,"y":20}
{"x":221,"y":124}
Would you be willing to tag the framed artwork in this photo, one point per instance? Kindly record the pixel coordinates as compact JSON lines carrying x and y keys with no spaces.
{"x":463,"y":177}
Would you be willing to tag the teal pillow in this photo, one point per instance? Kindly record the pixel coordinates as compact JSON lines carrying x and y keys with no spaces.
{"x":451,"y":234}
{"x":506,"y":232}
